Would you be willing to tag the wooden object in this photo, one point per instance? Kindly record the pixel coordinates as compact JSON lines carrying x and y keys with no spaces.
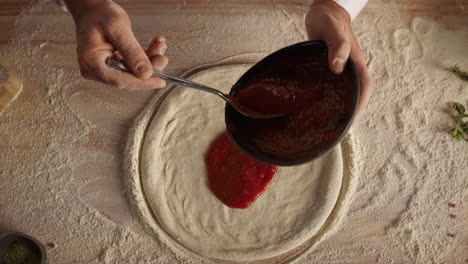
{"x":200,"y":27}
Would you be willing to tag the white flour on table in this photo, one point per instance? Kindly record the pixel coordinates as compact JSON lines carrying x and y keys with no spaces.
{"x":52,"y":181}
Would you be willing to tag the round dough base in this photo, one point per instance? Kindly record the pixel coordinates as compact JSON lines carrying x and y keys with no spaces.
{"x":171,"y":175}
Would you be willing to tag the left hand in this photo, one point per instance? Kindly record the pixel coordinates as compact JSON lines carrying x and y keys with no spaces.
{"x":331,"y":23}
{"x":104,"y":30}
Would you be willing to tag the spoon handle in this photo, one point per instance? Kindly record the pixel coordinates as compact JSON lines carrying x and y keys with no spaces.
{"x":122,"y":66}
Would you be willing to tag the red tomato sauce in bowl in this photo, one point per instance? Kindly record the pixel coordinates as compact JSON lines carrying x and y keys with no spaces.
{"x":318,"y":105}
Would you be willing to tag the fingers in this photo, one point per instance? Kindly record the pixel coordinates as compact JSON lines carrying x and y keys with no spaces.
{"x":365,"y":79}
{"x":158,"y":45}
{"x":92,"y":58}
{"x":338,"y":53}
{"x":127,"y":81}
{"x":122,"y":80}
{"x":125,"y":42}
{"x":339,"y":47}
{"x":156,"y":52}
{"x":159,"y":62}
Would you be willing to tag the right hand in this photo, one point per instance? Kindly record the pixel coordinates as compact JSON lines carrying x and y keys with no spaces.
{"x":104,"y":30}
{"x":328,"y":21}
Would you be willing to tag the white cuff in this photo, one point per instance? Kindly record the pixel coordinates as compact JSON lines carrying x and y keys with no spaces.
{"x":352,"y":6}
{"x":62,"y":4}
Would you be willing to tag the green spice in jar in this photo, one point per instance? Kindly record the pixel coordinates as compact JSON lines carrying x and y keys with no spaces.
{"x":22,"y":251}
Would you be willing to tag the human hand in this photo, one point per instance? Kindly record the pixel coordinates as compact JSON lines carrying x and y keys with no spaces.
{"x":104,"y":30}
{"x":331,"y":23}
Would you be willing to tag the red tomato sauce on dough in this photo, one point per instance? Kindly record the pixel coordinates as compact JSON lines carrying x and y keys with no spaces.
{"x":235,"y":178}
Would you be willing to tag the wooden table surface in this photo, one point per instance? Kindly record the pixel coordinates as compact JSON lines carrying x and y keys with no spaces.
{"x":106,"y":131}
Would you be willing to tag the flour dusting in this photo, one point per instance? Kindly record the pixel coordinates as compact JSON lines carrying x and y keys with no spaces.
{"x":61,"y":171}
{"x":3,"y":75}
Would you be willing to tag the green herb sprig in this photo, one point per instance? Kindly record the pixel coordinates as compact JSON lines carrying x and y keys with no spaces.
{"x":461,"y":128}
{"x":455,"y":69}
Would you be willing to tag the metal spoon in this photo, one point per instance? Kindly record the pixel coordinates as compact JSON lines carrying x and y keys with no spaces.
{"x":122,"y":66}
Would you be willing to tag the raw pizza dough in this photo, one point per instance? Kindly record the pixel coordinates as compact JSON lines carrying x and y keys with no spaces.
{"x":171,"y":175}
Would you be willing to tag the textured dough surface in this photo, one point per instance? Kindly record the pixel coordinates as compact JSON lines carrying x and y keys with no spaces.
{"x":293,"y":208}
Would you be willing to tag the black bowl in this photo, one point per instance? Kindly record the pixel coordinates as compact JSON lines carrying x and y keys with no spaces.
{"x":237,"y":125}
{"x":7,"y":238}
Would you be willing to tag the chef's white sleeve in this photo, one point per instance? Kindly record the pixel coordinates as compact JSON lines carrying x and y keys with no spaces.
{"x":352,"y":6}
{"x":61,"y":3}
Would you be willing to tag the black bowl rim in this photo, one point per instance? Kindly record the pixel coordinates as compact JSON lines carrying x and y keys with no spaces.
{"x":41,"y":247}
{"x":356,"y":84}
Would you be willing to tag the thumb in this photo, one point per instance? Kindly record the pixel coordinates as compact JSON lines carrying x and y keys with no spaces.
{"x":126,"y":43}
{"x":338,"y":53}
